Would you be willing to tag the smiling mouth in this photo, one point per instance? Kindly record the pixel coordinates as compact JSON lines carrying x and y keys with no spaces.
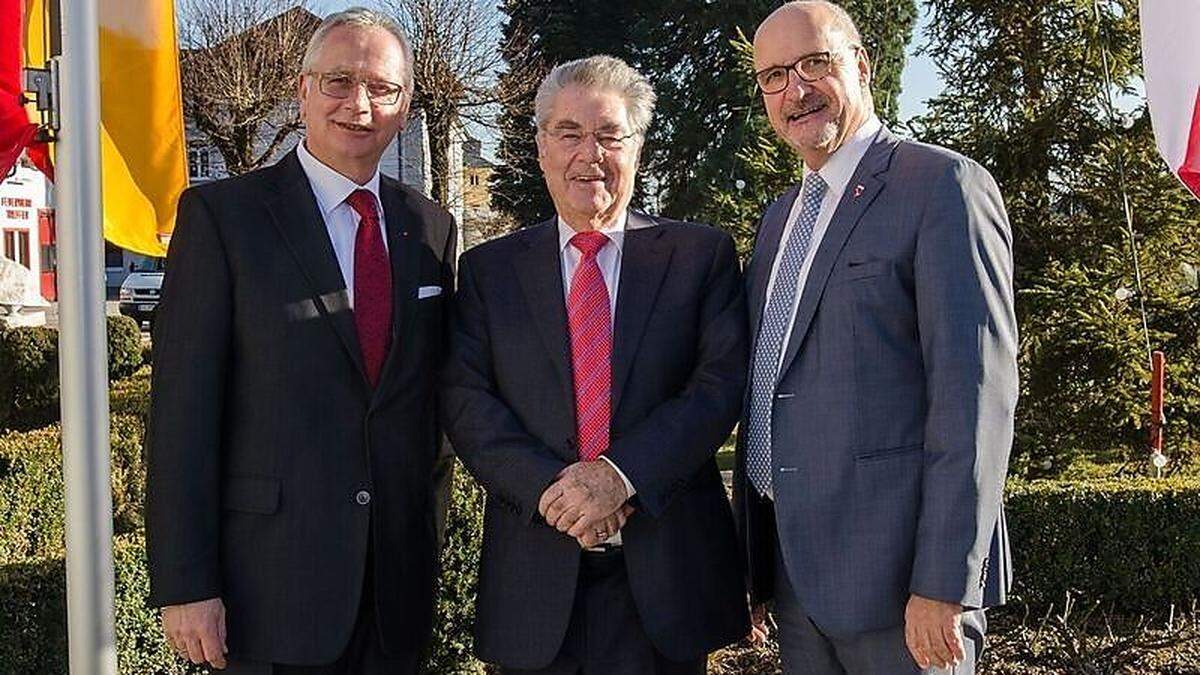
{"x":805,"y":113}
{"x":351,"y":126}
{"x":588,"y":179}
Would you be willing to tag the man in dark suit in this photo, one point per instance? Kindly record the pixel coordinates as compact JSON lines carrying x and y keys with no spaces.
{"x":294,"y":472}
{"x":596,"y":365}
{"x":879,"y":415}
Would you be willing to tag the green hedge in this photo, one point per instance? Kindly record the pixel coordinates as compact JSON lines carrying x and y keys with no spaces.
{"x":32,"y":614}
{"x":1131,"y":544}
{"x":32,"y":523}
{"x":29,"y":369}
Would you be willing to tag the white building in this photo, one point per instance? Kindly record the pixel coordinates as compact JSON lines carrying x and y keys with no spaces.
{"x":27,"y":274}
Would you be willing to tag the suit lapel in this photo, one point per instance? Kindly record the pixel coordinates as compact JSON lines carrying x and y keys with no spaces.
{"x":296,"y":216}
{"x":854,"y":203}
{"x":644,"y":260}
{"x":404,"y":254}
{"x":539,"y":272}
{"x":770,"y":235}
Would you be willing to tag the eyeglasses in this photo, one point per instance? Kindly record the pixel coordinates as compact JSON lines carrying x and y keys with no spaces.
{"x":809,"y":68}
{"x":345,"y":85}
{"x":569,"y":138}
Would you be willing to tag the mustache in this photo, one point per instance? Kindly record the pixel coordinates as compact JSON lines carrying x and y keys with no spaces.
{"x":809,"y":102}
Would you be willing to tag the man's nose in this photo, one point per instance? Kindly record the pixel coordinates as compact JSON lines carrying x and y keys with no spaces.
{"x":796,"y":87}
{"x":592,"y":150}
{"x":359,"y":100}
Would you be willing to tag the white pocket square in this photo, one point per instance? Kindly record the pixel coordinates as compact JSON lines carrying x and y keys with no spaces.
{"x":428,"y":292}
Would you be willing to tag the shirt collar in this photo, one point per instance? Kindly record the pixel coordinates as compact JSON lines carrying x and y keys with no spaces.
{"x":840,"y":167}
{"x":330,"y":187}
{"x":615,"y":234}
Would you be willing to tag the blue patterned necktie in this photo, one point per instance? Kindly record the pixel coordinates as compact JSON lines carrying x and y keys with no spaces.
{"x":772,"y":330}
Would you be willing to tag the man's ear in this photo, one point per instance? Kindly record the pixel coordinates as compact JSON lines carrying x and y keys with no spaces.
{"x":302,"y":86}
{"x":864,"y":67}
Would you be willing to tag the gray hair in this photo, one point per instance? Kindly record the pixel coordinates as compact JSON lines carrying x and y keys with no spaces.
{"x":361,"y":17}
{"x":599,"y":72}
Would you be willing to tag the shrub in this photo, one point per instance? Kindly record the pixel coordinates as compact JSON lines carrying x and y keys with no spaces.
{"x":1132,"y":544}
{"x":29,"y":377}
{"x":450,"y":648}
{"x":31,"y":496}
{"x":34,"y":639}
{"x":32,"y":524}
{"x":124,"y":347}
{"x":32,"y":535}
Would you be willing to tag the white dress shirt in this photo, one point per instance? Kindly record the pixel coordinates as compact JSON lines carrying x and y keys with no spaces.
{"x":836,"y":173}
{"x":341,"y":220}
{"x":609,"y":260}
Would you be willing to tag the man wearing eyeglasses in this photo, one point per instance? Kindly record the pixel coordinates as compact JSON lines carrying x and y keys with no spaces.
{"x":879,"y":415}
{"x":295,"y":479}
{"x":597,"y":363}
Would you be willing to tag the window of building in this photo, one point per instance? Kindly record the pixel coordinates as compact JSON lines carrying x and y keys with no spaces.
{"x":198,"y":166}
{"x":16,"y":246}
{"x":475,"y":180}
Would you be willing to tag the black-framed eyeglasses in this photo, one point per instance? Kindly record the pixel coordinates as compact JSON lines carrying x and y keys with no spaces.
{"x":570,"y":138}
{"x":345,"y":85}
{"x":809,"y":68}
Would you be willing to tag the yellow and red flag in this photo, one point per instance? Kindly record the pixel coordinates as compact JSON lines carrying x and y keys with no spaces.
{"x":143,"y":150}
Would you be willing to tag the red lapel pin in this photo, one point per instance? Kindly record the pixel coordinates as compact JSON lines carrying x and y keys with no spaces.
{"x":858,"y":190}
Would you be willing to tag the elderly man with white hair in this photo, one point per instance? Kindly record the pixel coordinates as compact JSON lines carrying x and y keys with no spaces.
{"x":597,"y":362}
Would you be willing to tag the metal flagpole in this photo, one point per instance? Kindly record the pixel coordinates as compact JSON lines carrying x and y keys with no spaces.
{"x":83,"y":361}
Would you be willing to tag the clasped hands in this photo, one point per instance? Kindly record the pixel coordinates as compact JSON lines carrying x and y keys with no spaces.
{"x":587,"y":502}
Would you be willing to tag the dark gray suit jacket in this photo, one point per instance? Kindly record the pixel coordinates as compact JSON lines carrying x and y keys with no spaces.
{"x":893,"y":410}
{"x":264,"y":430}
{"x":679,"y":369}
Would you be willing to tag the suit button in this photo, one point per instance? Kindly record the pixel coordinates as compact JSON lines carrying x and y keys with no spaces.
{"x":363,"y":497}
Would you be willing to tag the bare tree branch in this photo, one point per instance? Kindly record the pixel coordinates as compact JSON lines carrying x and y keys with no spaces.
{"x":239,"y":64}
{"x":457,"y":70}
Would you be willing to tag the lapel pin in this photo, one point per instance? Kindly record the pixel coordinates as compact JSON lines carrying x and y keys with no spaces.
{"x":858,"y":190}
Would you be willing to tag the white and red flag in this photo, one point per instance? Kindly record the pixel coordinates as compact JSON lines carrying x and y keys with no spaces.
{"x":1171,"y":58}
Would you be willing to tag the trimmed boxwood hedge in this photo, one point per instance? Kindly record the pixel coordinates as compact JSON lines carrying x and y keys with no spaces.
{"x":32,"y":576}
{"x":1131,"y":544}
{"x":29,"y":369}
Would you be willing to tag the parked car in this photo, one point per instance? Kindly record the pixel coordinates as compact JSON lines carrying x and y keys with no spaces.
{"x":139,"y":295}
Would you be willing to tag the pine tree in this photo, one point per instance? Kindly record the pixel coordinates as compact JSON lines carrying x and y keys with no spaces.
{"x":714,"y":151}
{"x":709,"y":130}
{"x":1026,"y":95}
{"x":538,"y":35}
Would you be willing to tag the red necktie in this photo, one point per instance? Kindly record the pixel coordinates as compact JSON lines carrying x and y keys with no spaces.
{"x":590,"y":318}
{"x":372,"y":285}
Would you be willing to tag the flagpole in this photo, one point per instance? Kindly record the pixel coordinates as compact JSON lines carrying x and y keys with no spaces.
{"x":83,"y":362}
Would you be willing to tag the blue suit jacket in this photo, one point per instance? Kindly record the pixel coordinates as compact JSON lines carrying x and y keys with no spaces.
{"x":893,"y":409}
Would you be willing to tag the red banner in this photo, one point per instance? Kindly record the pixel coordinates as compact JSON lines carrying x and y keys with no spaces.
{"x":16,"y":131}
{"x":1189,"y":171}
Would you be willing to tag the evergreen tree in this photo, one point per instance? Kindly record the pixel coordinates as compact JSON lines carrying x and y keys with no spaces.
{"x":538,"y":35}
{"x":1026,"y":95}
{"x":710,"y":129}
{"x":713,"y":150}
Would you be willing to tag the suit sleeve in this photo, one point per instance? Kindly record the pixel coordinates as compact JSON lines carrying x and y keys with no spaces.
{"x":191,"y":352}
{"x":665,"y":450}
{"x":963,"y":286}
{"x":443,"y":467}
{"x":511,"y":464}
